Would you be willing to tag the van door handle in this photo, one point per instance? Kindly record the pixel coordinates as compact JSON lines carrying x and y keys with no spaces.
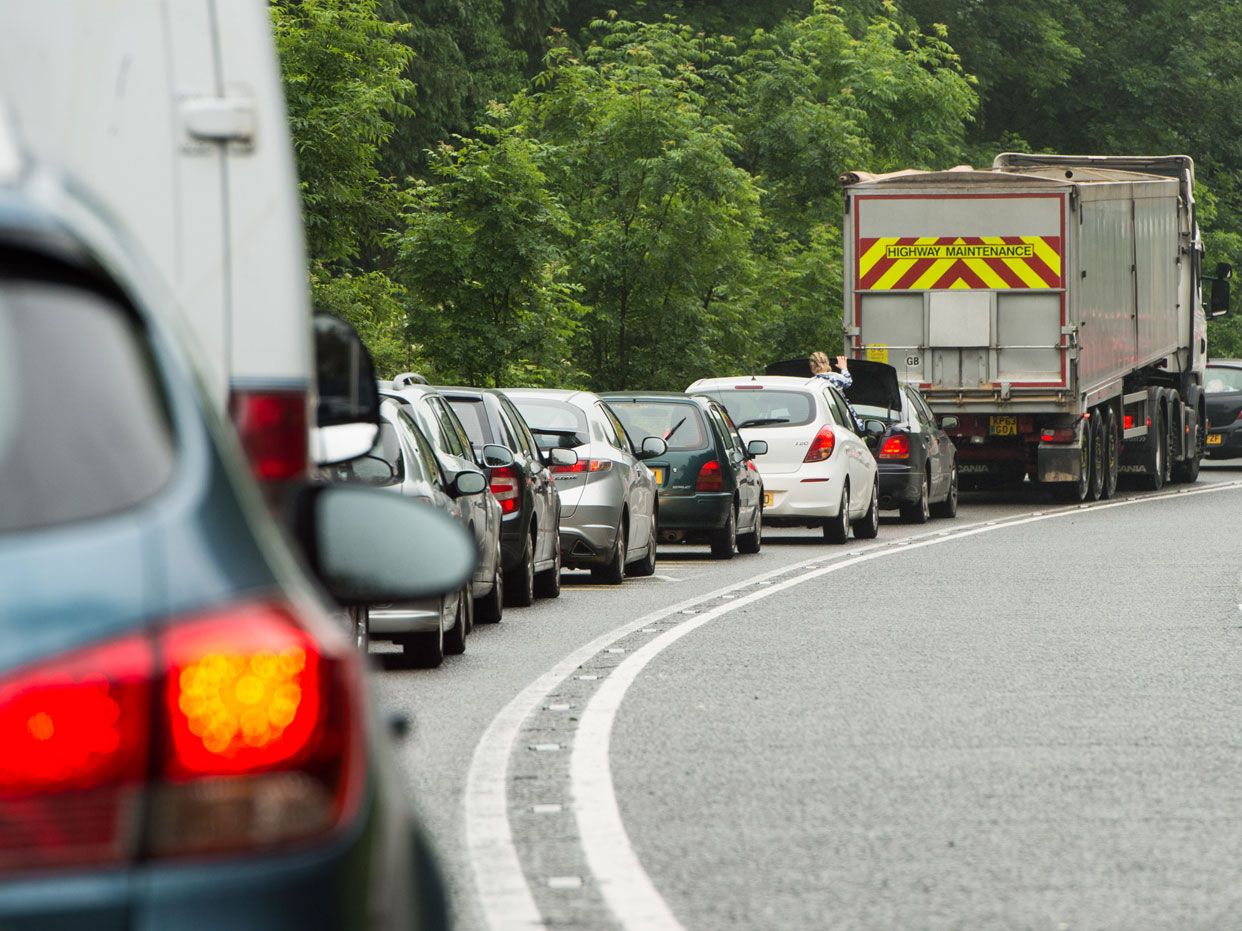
{"x":219,"y":119}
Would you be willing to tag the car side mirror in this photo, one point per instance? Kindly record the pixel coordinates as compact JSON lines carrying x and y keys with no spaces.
{"x":1218,"y":301}
{"x":652,"y":447}
{"x":496,"y":456}
{"x":559,"y":456}
{"x":756,"y":448}
{"x":346,"y":533}
{"x":347,"y":418}
{"x":875,"y":428}
{"x":949,"y":423}
{"x":467,"y":482}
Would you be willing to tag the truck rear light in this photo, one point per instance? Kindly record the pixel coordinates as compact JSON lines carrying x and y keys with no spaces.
{"x":272,"y":426}
{"x":245,"y":734}
{"x":822,"y":446}
{"x":1127,"y":422}
{"x":1058,"y":435}
{"x":711,"y":477}
{"x":896,"y":446}
{"x":505,"y":488}
{"x":584,"y":465}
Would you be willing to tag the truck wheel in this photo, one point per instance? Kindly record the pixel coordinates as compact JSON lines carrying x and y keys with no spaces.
{"x":1112,"y":453}
{"x":1095,"y":491}
{"x":918,"y":512}
{"x":1156,"y":452}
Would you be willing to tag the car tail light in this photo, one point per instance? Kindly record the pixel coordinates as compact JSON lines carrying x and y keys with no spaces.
{"x":711,"y":477}
{"x":235,"y":730}
{"x":896,"y":446}
{"x":584,"y":465}
{"x":1058,"y":435}
{"x":273,"y":430}
{"x":822,"y":446}
{"x":748,"y":387}
{"x":505,"y":488}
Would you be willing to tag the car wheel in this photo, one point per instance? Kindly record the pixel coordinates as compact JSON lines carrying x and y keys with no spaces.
{"x":724,"y":541}
{"x":837,"y":529}
{"x":548,"y":582}
{"x":521,"y":583}
{"x":455,"y":636}
{"x":647,"y":565}
{"x":948,"y":507}
{"x":426,"y":651}
{"x":614,"y":572}
{"x":869,"y":525}
{"x":490,"y":609}
{"x":752,"y":542}
{"x":918,"y":512}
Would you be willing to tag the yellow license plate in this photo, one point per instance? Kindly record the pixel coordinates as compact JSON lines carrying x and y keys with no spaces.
{"x":1003,"y":426}
{"x":1215,"y":439}
{"x":767,"y":499}
{"x":658,"y":472}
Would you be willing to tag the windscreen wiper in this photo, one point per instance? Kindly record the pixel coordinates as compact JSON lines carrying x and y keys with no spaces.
{"x":669,"y":434}
{"x":762,"y":422}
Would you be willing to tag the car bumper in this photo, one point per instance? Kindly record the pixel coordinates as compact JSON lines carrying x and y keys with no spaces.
{"x":419,"y":617}
{"x":588,"y":537}
{"x":900,"y":483}
{"x":1230,"y":446}
{"x":696,"y":511}
{"x":800,"y":498}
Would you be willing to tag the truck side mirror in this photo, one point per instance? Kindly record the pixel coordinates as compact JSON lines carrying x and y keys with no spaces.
{"x":347,"y":419}
{"x":1218,"y":302}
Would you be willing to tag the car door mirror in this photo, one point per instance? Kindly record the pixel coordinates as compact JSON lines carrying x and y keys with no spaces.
{"x":756,"y":448}
{"x":467,"y":482}
{"x":1218,"y":301}
{"x":346,"y":532}
{"x":496,"y":456}
{"x":347,"y":418}
{"x":559,"y":456}
{"x":874,"y":428}
{"x":652,"y":447}
{"x":949,"y":423}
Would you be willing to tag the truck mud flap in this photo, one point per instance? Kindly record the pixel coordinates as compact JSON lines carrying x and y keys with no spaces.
{"x":1060,"y":462}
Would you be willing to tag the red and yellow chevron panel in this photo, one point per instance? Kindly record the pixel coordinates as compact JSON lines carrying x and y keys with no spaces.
{"x":931,"y":263}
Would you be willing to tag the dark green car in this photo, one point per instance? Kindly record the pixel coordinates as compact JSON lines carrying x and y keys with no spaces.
{"x":709,"y":489}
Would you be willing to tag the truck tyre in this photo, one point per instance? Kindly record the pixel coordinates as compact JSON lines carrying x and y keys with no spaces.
{"x":1156,"y":451}
{"x":1112,"y":452}
{"x":918,"y":511}
{"x":1095,"y":490}
{"x":1076,"y":492}
{"x":1188,"y":469}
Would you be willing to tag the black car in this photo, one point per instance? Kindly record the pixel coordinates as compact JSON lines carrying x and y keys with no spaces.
{"x":1222,"y":388}
{"x":530,"y":545}
{"x":917,"y":459}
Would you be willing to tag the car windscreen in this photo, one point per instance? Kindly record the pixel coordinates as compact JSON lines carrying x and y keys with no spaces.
{"x":678,"y":423}
{"x":869,"y":412}
{"x":473,"y":417}
{"x":1219,"y":379}
{"x":84,"y":428}
{"x":554,"y":423}
{"x":765,"y":407}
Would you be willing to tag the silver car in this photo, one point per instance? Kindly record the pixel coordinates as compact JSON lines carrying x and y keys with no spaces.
{"x":608,"y":497}
{"x":404,"y":461}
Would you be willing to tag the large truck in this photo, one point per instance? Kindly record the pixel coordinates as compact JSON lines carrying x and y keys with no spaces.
{"x":1049,"y":309}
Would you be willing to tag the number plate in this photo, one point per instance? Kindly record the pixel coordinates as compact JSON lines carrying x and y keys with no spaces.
{"x":658,"y":472}
{"x":1215,"y":439}
{"x":767,"y":499}
{"x":1003,"y":426}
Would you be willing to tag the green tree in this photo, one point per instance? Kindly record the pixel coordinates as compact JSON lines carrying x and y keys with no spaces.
{"x":482,"y":254}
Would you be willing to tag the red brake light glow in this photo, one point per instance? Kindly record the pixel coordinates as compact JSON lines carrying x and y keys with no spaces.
{"x":822,"y":446}
{"x":711,"y":478}
{"x":505,"y":488}
{"x":584,"y":465}
{"x":273,"y":430}
{"x":896,"y":446}
{"x":1057,"y":435}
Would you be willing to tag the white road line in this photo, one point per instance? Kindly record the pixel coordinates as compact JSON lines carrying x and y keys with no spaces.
{"x":500,"y":884}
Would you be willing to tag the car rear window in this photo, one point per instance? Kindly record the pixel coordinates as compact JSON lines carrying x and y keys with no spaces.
{"x":473,"y":417}
{"x":1222,"y":379}
{"x":554,"y":422}
{"x":765,"y":407}
{"x":679,"y":423}
{"x":84,"y":427}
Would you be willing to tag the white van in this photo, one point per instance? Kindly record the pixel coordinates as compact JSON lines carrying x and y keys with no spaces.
{"x":183,"y":138}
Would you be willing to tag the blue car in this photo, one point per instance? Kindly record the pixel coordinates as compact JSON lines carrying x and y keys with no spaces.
{"x":185,"y":736}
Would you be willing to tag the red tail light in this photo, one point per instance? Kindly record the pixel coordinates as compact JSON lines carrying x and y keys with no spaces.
{"x":896,"y":446}
{"x":711,"y":478}
{"x":1058,"y":435}
{"x":1127,"y":422}
{"x":584,"y":465}
{"x":505,"y":488}
{"x":822,"y":446}
{"x":247,"y":736}
{"x":273,"y":430}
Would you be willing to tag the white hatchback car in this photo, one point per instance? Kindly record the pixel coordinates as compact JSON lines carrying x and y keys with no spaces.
{"x":818,"y":472}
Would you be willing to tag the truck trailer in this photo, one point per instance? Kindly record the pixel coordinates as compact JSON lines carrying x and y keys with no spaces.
{"x":1049,"y":309}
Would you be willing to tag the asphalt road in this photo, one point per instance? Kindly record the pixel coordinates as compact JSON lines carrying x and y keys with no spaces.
{"x":1032,"y":724}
